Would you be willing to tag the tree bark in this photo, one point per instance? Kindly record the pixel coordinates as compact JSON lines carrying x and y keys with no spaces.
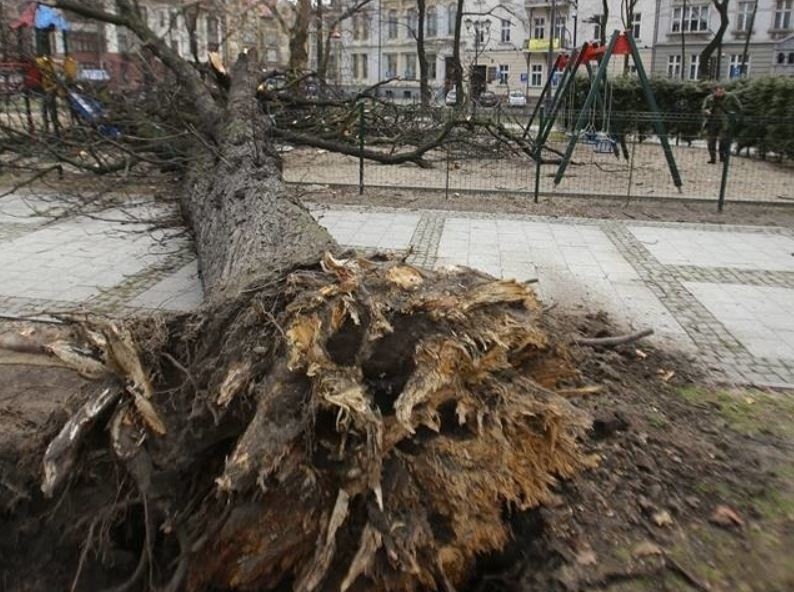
{"x":247,"y":226}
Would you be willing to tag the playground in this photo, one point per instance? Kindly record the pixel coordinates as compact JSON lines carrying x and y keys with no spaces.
{"x":590,"y":175}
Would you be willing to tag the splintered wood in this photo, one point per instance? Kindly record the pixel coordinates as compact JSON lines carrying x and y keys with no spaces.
{"x":402,"y":412}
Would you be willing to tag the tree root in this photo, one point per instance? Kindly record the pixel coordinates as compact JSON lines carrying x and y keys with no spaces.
{"x":613,"y":341}
{"x":368,"y":432}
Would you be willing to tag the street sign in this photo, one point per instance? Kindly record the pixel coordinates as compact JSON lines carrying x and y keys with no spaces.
{"x":523,"y":76}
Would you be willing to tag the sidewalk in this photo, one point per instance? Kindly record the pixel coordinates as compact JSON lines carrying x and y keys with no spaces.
{"x":724,"y":294}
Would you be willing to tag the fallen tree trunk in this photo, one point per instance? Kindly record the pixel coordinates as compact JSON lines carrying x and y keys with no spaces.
{"x":326,"y":422}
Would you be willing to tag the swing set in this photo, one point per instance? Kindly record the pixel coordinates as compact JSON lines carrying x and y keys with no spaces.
{"x":600,"y":97}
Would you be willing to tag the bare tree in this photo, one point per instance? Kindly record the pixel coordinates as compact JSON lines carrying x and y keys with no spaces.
{"x":684,"y":20}
{"x":318,"y":398}
{"x":705,"y":69}
{"x":748,"y":35}
{"x":627,"y":15}
{"x":604,"y":20}
{"x":424,"y":87}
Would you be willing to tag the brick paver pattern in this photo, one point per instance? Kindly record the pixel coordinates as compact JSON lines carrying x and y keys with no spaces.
{"x":724,"y":294}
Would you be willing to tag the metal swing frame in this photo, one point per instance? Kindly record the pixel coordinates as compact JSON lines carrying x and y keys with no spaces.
{"x":627,"y":46}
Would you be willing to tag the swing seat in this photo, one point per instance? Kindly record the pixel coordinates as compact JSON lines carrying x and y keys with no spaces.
{"x":589,"y":137}
{"x":604,"y":145}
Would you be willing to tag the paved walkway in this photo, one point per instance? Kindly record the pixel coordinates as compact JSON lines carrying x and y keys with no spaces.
{"x":722,"y":293}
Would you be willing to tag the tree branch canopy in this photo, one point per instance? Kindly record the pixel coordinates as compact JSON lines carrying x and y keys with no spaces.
{"x":129,"y":18}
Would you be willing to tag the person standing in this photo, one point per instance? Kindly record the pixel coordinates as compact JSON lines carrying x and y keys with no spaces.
{"x":720,"y":109}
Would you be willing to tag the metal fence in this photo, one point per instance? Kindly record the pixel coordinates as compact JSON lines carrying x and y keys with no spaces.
{"x":627,"y":162}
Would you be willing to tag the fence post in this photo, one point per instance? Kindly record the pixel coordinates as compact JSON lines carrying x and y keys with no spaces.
{"x":361,"y":148}
{"x":446,"y":181}
{"x":538,"y":156}
{"x":631,"y":167}
{"x":725,"y":162}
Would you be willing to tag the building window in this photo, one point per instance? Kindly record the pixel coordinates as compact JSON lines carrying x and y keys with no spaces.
{"x":596,"y":27}
{"x":410,"y":23}
{"x":409,"y":73}
{"x":431,"y":66}
{"x":559,"y":26}
{"x":452,"y":15}
{"x":85,"y":42}
{"x":504,"y":73}
{"x":783,"y":14}
{"x":694,"y":66}
{"x":781,"y":58}
{"x":791,"y":58}
{"x":123,"y":39}
{"x":674,"y":66}
{"x":431,"y":22}
{"x":361,"y":27}
{"x":365,"y":24}
{"x":360,"y":66}
{"x":391,"y":65}
{"x":636,"y":25}
{"x":364,"y":59}
{"x":695,"y":19}
{"x":539,"y":31}
{"x":735,"y":69}
{"x":536,"y":77}
{"x":505,"y":38}
{"x":213,"y":34}
{"x":743,"y":16}
{"x":392,"y":24}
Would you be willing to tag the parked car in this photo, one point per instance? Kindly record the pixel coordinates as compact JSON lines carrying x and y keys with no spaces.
{"x":487,"y":99}
{"x":516,"y":98}
{"x":452,"y":98}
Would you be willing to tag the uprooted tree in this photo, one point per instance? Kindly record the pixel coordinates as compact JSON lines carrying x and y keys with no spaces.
{"x":325,"y":421}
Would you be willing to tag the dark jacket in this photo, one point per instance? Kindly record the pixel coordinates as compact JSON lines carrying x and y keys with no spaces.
{"x":718,"y":112}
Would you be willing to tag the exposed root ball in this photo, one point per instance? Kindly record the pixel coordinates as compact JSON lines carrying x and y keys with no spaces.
{"x":365,"y":426}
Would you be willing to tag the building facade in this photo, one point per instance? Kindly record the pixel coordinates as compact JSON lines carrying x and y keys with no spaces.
{"x":683,"y":32}
{"x":108,"y":53}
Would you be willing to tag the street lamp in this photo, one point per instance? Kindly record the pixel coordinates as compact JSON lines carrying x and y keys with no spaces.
{"x":481,"y":28}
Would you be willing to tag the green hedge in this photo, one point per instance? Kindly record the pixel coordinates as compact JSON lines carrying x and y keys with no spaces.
{"x":766,"y":124}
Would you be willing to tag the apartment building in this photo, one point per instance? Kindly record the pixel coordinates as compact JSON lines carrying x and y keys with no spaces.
{"x":684,"y":30}
{"x":505,"y":44}
{"x":111,"y":54}
{"x":379,"y":43}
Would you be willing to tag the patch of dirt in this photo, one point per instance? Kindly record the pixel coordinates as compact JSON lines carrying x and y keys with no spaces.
{"x":588,"y":207}
{"x":694,"y":488}
{"x":37,"y":395}
{"x":645,"y":173}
